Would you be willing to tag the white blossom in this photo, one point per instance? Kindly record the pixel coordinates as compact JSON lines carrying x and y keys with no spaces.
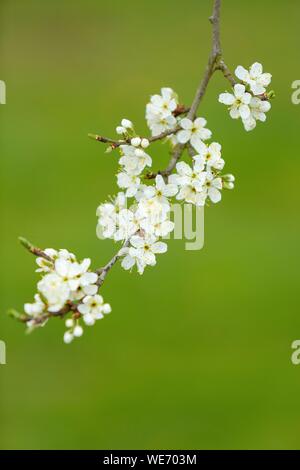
{"x":187,"y":176}
{"x":159,"y":112}
{"x":161,"y":191}
{"x":47,"y":265}
{"x":92,"y":308}
{"x":159,"y":122}
{"x":159,"y":228}
{"x":193,"y":131}
{"x":126,"y":225}
{"x":75,"y":274}
{"x":134,"y":160}
{"x":107,"y":216}
{"x":255,"y":78}
{"x":55,"y":291}
{"x":148,"y":247}
{"x":130,"y":258}
{"x":211,"y":155}
{"x":166,"y":102}
{"x":142,"y":252}
{"x":238,"y":102}
{"x":213,"y":186}
{"x":258,"y":108}
{"x":129,"y":182}
{"x":152,"y":209}
{"x":197,"y":183}
{"x":36,"y":308}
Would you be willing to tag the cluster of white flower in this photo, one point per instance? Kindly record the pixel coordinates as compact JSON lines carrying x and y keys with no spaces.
{"x":202,"y":180}
{"x":142,"y":223}
{"x":140,"y":215}
{"x":160,"y":111}
{"x":249,"y":100}
{"x":65,"y":282}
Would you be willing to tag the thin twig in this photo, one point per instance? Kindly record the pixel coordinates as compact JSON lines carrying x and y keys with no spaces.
{"x":180,"y":110}
{"x":226,"y":72}
{"x":102,"y":272}
{"x":34,"y":250}
{"x":118,"y":143}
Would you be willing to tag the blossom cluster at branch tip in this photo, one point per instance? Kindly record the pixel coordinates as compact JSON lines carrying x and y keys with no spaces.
{"x":139,"y":215}
{"x":65,"y":283}
{"x":249,"y":100}
{"x":202,"y":181}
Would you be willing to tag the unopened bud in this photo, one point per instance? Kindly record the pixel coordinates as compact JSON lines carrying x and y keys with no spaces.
{"x":120,"y":130}
{"x":69,"y":323}
{"x":136,"y":141}
{"x":127,"y":124}
{"x":78,"y":331}
{"x":106,"y":308}
{"x":145,"y":143}
{"x":68,"y":337}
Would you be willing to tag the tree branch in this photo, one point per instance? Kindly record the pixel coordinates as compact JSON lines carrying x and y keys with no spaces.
{"x":226,"y":72}
{"x":212,"y":65}
{"x":117,"y":143}
{"x":102,"y":272}
{"x":215,"y":62}
{"x":70,"y":306}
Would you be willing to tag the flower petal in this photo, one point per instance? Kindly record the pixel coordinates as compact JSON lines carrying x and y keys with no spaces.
{"x":214,"y":195}
{"x":227,"y":98}
{"x":244,"y":111}
{"x":159,"y":247}
{"x":183,"y":136}
{"x":61,"y":267}
{"x":256,"y":70}
{"x":242,"y":73}
{"x":186,"y":124}
{"x":127,"y":262}
{"x":234,"y":112}
{"x":239,"y":90}
{"x":137,"y":241}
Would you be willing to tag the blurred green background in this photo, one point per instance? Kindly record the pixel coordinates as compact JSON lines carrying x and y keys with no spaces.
{"x":196,"y":353}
